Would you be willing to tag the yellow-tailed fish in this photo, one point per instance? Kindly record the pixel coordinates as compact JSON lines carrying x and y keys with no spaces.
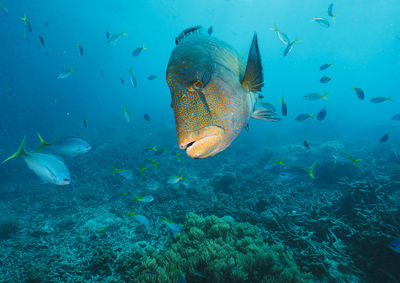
{"x":65,"y":74}
{"x":172,"y":226}
{"x":127,"y":115}
{"x":70,"y":146}
{"x":48,"y":167}
{"x":154,"y":164}
{"x":148,"y":198}
{"x":174,"y":179}
{"x":139,"y":218}
{"x":126,"y":173}
{"x":116,"y":37}
{"x":27,"y":23}
{"x":213,"y":92}
{"x":141,"y":170}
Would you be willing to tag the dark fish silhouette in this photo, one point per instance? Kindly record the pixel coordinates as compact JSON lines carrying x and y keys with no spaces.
{"x":321,"y":114}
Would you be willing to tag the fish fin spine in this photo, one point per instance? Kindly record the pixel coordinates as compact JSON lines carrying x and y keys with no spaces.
{"x":187,"y":32}
{"x":265,"y":115}
{"x":253,"y":76}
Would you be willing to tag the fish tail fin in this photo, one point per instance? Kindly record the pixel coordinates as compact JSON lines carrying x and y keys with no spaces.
{"x":265,"y":115}
{"x":78,"y":44}
{"x":295,"y":41}
{"x":115,"y":170}
{"x":390,"y":97}
{"x":282,"y":99}
{"x":123,"y":107}
{"x":334,"y":18}
{"x":21,"y":151}
{"x":72,"y":69}
{"x":311,"y":170}
{"x":355,"y":161}
{"x":354,"y":87}
{"x":324,"y":95}
{"x":144,"y":47}
{"x":43,"y":143}
{"x":253,"y":76}
{"x":311,"y":115}
{"x":275,"y":28}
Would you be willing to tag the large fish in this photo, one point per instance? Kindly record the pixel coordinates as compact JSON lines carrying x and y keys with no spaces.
{"x":213,"y":92}
{"x":48,"y":167}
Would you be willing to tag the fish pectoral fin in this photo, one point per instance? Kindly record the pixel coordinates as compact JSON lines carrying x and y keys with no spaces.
{"x":253,"y":76}
{"x":265,"y":115}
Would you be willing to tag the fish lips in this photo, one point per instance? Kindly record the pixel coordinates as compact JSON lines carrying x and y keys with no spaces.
{"x":202,"y":143}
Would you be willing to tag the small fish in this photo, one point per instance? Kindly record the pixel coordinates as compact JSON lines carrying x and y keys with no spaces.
{"x":152,"y":77}
{"x":396,"y":117}
{"x":321,"y":114}
{"x":127,"y":115}
{"x":48,"y":167}
{"x":65,"y":74}
{"x":110,"y":228}
{"x":9,"y":92}
{"x":154,"y":164}
{"x":289,"y":48}
{"x":395,"y":245}
{"x":41,"y":39}
{"x":325,"y":66}
{"x":80,"y":48}
{"x":268,"y":106}
{"x":306,"y":145}
{"x":47,"y":52}
{"x":133,"y":79}
{"x":315,"y":96}
{"x":122,"y":80}
{"x":303,"y":117}
{"x":116,"y":37}
{"x":322,"y":22}
{"x":146,"y":117}
{"x":139,"y":218}
{"x":288,"y":176}
{"x":384,"y":138}
{"x":136,"y":52}
{"x":330,"y":13}
{"x":325,"y":79}
{"x":107,"y":34}
{"x":210,"y":30}
{"x":69,"y":146}
{"x":175,"y":228}
{"x":283,"y":107}
{"x":27,"y":23}
{"x":344,"y":158}
{"x":101,"y":73}
{"x":63,"y":53}
{"x":281,"y":35}
{"x":84,"y":122}
{"x":4,"y":9}
{"x":148,"y":198}
{"x":117,"y":197}
{"x":381,"y":99}
{"x":359,"y":92}
{"x":174,"y":179}
{"x":126,"y":173}
{"x":141,"y":170}
{"x":280,"y":162}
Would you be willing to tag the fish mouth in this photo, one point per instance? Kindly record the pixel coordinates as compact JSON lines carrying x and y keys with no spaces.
{"x":202,"y":143}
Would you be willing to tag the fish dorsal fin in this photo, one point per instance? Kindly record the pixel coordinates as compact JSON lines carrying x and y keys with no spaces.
{"x":253,"y":77}
{"x":186,"y":33}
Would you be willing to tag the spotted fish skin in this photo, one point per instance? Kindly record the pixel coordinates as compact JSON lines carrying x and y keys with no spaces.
{"x":209,"y":118}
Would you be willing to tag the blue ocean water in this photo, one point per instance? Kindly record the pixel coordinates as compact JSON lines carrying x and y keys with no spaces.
{"x":350,"y":213}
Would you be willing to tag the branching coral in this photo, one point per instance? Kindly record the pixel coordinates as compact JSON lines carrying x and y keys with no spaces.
{"x":213,"y":249}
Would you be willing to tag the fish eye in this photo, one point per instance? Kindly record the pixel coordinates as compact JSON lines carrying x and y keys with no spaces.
{"x":197,"y":85}
{"x":66,"y":180}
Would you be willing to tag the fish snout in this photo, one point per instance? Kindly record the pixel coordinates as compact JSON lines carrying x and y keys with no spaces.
{"x":203,"y":143}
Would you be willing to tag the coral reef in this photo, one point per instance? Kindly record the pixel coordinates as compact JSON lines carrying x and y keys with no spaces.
{"x":213,"y":249}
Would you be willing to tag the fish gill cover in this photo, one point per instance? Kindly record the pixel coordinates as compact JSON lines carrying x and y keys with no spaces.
{"x":216,"y":141}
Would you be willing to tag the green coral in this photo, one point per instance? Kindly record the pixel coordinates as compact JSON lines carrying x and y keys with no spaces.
{"x":213,"y":249}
